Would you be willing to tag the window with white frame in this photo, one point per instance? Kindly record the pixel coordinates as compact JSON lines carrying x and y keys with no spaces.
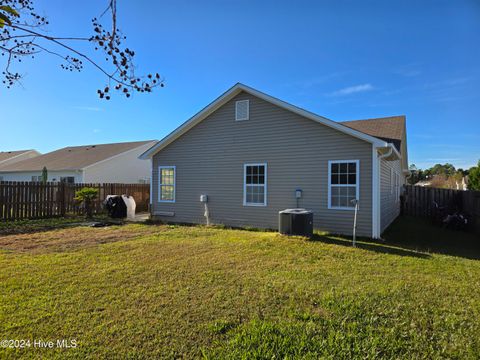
{"x":166,"y":184}
{"x":242,"y":110}
{"x":255,"y":184}
{"x":36,"y":178}
{"x":343,"y":183}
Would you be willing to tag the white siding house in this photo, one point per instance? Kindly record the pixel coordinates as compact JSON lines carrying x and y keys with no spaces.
{"x":102,"y":163}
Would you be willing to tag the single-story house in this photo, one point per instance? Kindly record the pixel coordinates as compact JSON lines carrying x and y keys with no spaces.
{"x":10,"y":157}
{"x":102,"y":163}
{"x":250,"y":152}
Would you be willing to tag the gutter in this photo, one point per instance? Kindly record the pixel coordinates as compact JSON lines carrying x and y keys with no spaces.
{"x":387,"y":154}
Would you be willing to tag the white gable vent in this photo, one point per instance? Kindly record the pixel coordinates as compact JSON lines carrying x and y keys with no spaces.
{"x":242,"y":110}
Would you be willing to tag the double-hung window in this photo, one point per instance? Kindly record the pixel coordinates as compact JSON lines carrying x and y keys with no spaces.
{"x":166,"y":183}
{"x":343,"y":184}
{"x":255,"y":184}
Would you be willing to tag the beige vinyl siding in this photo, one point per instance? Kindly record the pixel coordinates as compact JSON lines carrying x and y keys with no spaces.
{"x":389,"y":204}
{"x":210,"y":160}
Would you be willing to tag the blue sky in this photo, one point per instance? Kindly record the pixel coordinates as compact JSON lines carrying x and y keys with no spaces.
{"x":341,"y":59}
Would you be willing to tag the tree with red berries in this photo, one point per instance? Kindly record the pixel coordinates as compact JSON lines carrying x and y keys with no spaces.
{"x":23,"y":35}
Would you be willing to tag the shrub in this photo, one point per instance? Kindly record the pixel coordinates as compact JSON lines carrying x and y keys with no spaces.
{"x":86,"y":196}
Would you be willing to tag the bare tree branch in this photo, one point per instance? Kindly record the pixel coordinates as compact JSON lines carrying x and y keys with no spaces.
{"x":23,"y":28}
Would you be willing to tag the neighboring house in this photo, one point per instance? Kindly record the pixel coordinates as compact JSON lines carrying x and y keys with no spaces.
{"x":249,"y":152}
{"x":10,"y":157}
{"x":461,"y":185}
{"x":104,"y":163}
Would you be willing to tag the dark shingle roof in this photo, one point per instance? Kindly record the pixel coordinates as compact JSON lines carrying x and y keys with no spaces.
{"x":390,"y":129}
{"x":74,"y":157}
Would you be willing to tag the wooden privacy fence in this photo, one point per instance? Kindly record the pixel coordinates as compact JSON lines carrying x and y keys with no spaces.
{"x":33,"y":200}
{"x":419,"y":201}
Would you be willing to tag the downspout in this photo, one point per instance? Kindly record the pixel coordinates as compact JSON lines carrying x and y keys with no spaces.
{"x":151,"y":186}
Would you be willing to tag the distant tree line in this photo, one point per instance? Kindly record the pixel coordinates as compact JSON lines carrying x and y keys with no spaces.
{"x":446,"y":176}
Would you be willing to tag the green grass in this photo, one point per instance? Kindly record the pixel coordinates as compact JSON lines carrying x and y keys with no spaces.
{"x":149,"y":291}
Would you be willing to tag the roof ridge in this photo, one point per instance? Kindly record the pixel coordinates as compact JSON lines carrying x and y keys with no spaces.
{"x":403,"y":117}
{"x":102,"y":144}
{"x":15,"y":151}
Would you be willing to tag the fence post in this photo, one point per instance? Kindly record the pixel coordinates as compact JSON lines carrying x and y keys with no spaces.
{"x":63,"y":202}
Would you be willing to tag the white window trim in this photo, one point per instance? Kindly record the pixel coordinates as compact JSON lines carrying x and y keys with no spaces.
{"x":357,"y":190}
{"x":174,"y":183}
{"x":245,"y":185}
{"x":248,"y":110}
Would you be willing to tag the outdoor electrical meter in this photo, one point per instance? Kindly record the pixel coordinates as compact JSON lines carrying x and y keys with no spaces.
{"x":298,"y":193}
{"x":203,"y":198}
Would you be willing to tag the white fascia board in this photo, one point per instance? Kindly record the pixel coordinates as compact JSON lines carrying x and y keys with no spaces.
{"x":190,"y":123}
{"x":236,"y":89}
{"x":395,"y":151}
{"x":309,"y":115}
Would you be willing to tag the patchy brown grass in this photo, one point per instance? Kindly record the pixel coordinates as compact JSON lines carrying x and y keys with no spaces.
{"x":72,"y":238}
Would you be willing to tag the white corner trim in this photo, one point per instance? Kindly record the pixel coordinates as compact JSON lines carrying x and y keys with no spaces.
{"x":245,"y":184}
{"x":375,"y":194}
{"x":151,"y":183}
{"x":174,"y":183}
{"x":235,"y":90}
{"x":329,"y":192}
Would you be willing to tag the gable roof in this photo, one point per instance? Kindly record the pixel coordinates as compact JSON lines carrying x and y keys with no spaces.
{"x":235,"y":90}
{"x":74,"y":157}
{"x":391,"y":129}
{"x":7,"y":155}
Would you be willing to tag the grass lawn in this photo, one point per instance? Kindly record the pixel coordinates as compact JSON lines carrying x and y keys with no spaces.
{"x":150,"y":291}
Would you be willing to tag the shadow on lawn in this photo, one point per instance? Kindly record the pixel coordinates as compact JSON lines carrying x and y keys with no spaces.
{"x":419,"y":234}
{"x":417,"y":237}
{"x":370,"y":246}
